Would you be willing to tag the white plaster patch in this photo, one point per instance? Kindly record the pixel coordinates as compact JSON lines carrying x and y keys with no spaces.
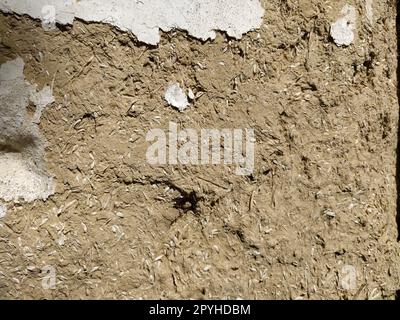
{"x":342,"y":31}
{"x":22,"y":176}
{"x":41,"y":99}
{"x":22,"y":179}
{"x":12,"y":70}
{"x":176,"y":97}
{"x":200,"y":18}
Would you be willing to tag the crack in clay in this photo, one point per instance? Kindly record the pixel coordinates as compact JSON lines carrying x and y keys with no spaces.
{"x":200,"y":18}
{"x":22,"y":176}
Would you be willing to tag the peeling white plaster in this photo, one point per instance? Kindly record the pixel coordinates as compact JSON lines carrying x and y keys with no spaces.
{"x":22,"y":180}
{"x":41,"y":99}
{"x":342,"y":31}
{"x":22,"y":176}
{"x":144,"y":18}
{"x":176,"y":97}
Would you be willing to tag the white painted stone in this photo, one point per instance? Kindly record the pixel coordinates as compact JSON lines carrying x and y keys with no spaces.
{"x":176,"y":97}
{"x":342,"y":31}
{"x":145,"y":18}
{"x":22,"y":176}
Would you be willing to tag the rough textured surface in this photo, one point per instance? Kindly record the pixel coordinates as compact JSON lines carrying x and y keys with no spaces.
{"x":145,"y":18}
{"x":322,"y":196}
{"x":22,"y":176}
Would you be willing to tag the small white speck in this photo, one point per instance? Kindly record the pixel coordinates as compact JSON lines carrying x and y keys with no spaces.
{"x":191,"y":94}
{"x":3,"y":211}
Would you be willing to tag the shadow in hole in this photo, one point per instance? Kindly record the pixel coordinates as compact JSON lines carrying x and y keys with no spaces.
{"x":398,"y":131}
{"x":187,"y":201}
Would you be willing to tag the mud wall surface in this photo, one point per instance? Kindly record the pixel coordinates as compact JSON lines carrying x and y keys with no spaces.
{"x":316,"y":217}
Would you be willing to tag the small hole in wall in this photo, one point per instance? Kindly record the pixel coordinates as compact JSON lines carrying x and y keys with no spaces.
{"x":31,"y":110}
